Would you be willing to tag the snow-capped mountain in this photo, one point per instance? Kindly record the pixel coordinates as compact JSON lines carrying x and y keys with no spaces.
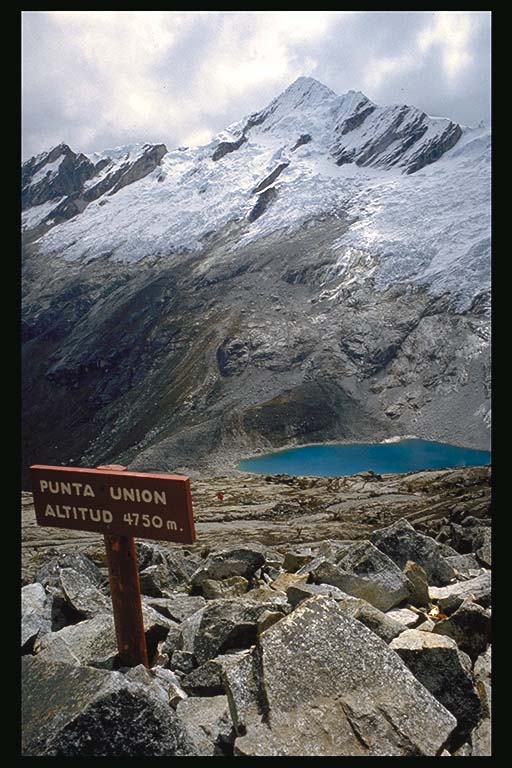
{"x":355,"y":205}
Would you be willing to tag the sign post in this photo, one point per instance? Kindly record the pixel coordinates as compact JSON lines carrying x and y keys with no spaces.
{"x":120,"y":505}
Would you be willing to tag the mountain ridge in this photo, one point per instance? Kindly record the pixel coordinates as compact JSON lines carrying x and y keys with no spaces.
{"x":213,"y":305}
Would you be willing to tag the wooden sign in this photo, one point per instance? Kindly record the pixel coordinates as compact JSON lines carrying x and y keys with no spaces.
{"x":121,"y":505}
{"x":114,"y":502}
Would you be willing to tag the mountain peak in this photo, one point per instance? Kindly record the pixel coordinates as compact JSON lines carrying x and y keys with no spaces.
{"x":305,"y":90}
{"x":309,"y":84}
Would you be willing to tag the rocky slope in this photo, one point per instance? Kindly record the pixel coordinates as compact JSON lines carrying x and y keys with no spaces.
{"x":319,"y":271}
{"x":366,"y":639}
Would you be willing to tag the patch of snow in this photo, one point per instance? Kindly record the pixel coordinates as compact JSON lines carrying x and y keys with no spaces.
{"x":32,"y":217}
{"x":431,"y":227}
{"x":49,"y":170}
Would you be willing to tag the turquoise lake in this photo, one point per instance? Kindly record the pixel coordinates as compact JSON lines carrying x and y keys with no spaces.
{"x":341,"y":460}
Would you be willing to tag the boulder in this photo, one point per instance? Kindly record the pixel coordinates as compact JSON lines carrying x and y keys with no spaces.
{"x":182,"y":661}
{"x":266,"y":595}
{"x":295,"y":559}
{"x":267,"y":619}
{"x":170,"y":684}
{"x":379,"y":622}
{"x":176,"y":606}
{"x":167,"y":646}
{"x":75,"y":711}
{"x":35,"y":615}
{"x":376,"y":621}
{"x":484,"y":553}
{"x":482,"y":669}
{"x":404,"y":616}
{"x":233,"y":586}
{"x":325,"y":556}
{"x":401,"y":543}
{"x":469,"y":626}
{"x":481,"y":745}
{"x":445,"y":671}
{"x":418,"y":584}
{"x":425,"y":625}
{"x":285,"y":580}
{"x":471,"y":536}
{"x":463,"y":751}
{"x":446,"y":550}
{"x":465,"y":566}
{"x":154,"y":581}
{"x":49,"y":573}
{"x":363,"y":571}
{"x":93,"y":642}
{"x":222,"y":626}
{"x":332,"y":549}
{"x":296,"y":593}
{"x":451,"y":597}
{"x":208,"y":725}
{"x":82,"y":595}
{"x":233,"y":562}
{"x":180,"y":563}
{"x":207,"y":680}
{"x":240,"y":684}
{"x":320,"y":683}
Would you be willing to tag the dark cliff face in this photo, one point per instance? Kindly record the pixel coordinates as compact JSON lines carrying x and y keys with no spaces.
{"x":388,"y":147}
{"x":165,"y":367}
{"x":435,"y":148}
{"x":62,"y":173}
{"x":67,"y":179}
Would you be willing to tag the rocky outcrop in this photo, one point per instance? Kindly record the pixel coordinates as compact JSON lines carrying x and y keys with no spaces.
{"x":401,"y":543}
{"x":70,"y":178}
{"x":93,"y":642}
{"x":225,"y":147}
{"x":397,"y":138}
{"x":35,"y":614}
{"x":470,"y":626}
{"x":451,"y":597}
{"x":418,"y":583}
{"x":270,"y":178}
{"x":433,"y":149}
{"x":265,"y":199}
{"x":208,"y":725}
{"x":363,"y":571}
{"x":337,"y":691}
{"x":82,"y":595}
{"x":222,"y":626}
{"x":233,"y":357}
{"x":445,"y":671}
{"x":236,"y":562}
{"x":141,"y":167}
{"x":59,"y":173}
{"x":355,"y":120}
{"x":289,"y":667}
{"x":73,"y":711}
{"x":304,"y":138}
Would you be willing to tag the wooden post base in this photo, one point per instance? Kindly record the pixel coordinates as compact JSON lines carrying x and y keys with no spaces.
{"x":126,"y":602}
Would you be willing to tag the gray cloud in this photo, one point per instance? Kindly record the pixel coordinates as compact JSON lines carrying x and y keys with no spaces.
{"x":96,"y":79}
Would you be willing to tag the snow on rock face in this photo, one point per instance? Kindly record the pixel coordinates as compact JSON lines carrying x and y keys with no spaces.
{"x":77,"y":179}
{"x":417,"y":189}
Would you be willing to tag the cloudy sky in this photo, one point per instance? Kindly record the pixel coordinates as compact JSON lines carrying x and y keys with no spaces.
{"x":99,"y":79}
